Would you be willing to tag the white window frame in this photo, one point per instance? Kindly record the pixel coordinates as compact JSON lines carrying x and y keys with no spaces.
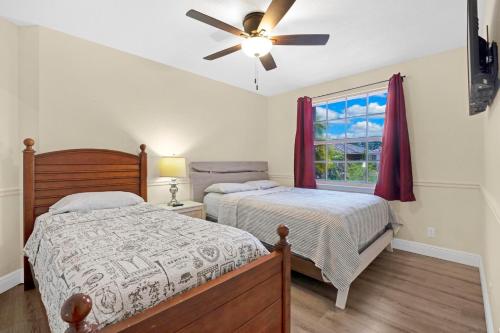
{"x":348,"y":186}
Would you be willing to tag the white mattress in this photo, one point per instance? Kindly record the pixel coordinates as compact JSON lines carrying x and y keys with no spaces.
{"x":212,"y":201}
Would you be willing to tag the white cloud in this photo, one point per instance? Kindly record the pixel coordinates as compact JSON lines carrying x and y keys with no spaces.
{"x":375,"y":129}
{"x":356,"y":110}
{"x":332,"y":115}
{"x":359,"y":129}
{"x":320,"y":112}
{"x":376,"y":108}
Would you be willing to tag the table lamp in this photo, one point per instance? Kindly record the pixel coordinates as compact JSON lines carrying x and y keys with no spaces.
{"x":174,"y":167}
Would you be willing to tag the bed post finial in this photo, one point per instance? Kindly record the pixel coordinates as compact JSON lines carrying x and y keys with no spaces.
{"x":283,"y":233}
{"x":29,"y":143}
{"x":74,"y":311}
{"x":143,"y":165}
{"x":284,"y":248}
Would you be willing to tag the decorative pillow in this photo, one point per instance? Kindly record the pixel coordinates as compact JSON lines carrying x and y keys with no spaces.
{"x":87,"y":201}
{"x":226,"y":188}
{"x":263,"y":184}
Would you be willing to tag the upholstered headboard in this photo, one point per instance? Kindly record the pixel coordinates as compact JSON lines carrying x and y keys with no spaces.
{"x":204,"y":174}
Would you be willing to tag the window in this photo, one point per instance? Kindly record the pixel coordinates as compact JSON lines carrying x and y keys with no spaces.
{"x":348,"y":137}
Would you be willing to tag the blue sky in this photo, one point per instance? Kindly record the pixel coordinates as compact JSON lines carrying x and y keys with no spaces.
{"x":356,"y":108}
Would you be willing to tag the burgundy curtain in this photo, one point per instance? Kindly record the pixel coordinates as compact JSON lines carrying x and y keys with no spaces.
{"x":395,"y":181}
{"x":304,"y":145}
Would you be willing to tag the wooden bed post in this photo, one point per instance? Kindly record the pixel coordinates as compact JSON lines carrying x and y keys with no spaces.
{"x":143,"y":160}
{"x":284,"y":247}
{"x":74,"y":311}
{"x":29,"y":202}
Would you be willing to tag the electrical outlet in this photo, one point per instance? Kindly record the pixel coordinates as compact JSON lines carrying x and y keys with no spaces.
{"x":431,"y":232}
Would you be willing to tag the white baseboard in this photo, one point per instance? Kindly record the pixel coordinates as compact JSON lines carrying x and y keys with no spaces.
{"x":486,"y":299}
{"x":11,"y":280}
{"x":461,"y":257}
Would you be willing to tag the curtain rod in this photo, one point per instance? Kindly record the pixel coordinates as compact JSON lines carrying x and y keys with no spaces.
{"x":363,"y":86}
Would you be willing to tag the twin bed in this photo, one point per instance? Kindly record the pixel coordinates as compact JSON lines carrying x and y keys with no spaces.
{"x":141,"y":268}
{"x":138,"y":267}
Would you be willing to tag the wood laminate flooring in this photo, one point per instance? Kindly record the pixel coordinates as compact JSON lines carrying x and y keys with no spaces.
{"x":398,"y":292}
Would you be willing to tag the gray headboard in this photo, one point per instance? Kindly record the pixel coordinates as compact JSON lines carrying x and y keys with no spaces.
{"x":204,"y":174}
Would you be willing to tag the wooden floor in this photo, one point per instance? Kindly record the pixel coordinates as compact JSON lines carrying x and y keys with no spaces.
{"x":398,"y":292}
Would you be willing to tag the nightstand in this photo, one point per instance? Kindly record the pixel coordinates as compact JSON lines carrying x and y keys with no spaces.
{"x":190,"y":208}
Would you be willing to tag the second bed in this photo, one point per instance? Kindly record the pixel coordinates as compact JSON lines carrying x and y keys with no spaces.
{"x":335,"y":235}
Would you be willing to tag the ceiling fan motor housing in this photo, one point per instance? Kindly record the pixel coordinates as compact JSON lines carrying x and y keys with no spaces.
{"x":251,"y":22}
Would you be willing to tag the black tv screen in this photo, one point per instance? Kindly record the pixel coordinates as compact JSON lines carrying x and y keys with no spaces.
{"x":482,"y":64}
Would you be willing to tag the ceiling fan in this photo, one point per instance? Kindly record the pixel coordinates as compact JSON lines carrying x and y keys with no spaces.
{"x":257,"y":26}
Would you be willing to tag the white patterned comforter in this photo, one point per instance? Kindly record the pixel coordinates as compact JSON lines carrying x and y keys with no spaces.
{"x":129,"y":259}
{"x":327,"y":227}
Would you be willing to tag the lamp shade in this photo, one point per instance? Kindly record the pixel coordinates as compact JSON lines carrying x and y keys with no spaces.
{"x":173,"y":167}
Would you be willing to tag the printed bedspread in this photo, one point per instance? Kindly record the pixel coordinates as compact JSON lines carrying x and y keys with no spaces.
{"x":129,"y":259}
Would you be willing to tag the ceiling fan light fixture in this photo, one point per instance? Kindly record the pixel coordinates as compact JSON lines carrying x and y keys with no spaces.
{"x":257,"y":46}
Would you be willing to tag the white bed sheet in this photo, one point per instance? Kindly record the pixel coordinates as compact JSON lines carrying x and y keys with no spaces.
{"x":212,"y":202}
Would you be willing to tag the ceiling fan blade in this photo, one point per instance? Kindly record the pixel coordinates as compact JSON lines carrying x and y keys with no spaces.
{"x":224,"y":52}
{"x":313,"y":39}
{"x":268,"y":62}
{"x":274,"y":13}
{"x":214,"y":22}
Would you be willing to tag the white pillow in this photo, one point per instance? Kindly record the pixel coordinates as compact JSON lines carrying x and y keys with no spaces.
{"x":226,"y":188}
{"x":86,"y":201}
{"x":263,"y":184}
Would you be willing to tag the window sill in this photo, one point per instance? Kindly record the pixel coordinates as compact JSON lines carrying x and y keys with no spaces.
{"x":346,"y":187}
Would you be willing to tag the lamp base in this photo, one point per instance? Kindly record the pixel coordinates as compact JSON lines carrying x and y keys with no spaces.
{"x":173,"y":191}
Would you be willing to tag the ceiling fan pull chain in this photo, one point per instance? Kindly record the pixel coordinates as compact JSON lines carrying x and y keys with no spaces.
{"x":256,"y":68}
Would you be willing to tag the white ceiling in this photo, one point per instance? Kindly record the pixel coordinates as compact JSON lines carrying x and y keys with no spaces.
{"x":365,"y":34}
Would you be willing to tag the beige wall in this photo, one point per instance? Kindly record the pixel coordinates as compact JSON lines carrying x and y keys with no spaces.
{"x":491,"y":181}
{"x":10,"y":238}
{"x":8,"y":104}
{"x":445,"y":141}
{"x":28,"y":83}
{"x":94,"y":96}
{"x":74,"y":93}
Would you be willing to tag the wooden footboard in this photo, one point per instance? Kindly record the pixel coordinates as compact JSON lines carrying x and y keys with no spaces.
{"x":253,"y":298}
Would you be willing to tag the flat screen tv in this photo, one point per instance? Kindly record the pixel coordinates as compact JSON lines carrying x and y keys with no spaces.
{"x":482,"y":64}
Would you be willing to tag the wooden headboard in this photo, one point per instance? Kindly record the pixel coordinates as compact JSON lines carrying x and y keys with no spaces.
{"x":50,"y":176}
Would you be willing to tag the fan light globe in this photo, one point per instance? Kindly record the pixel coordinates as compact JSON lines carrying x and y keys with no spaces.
{"x":256,"y":46}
